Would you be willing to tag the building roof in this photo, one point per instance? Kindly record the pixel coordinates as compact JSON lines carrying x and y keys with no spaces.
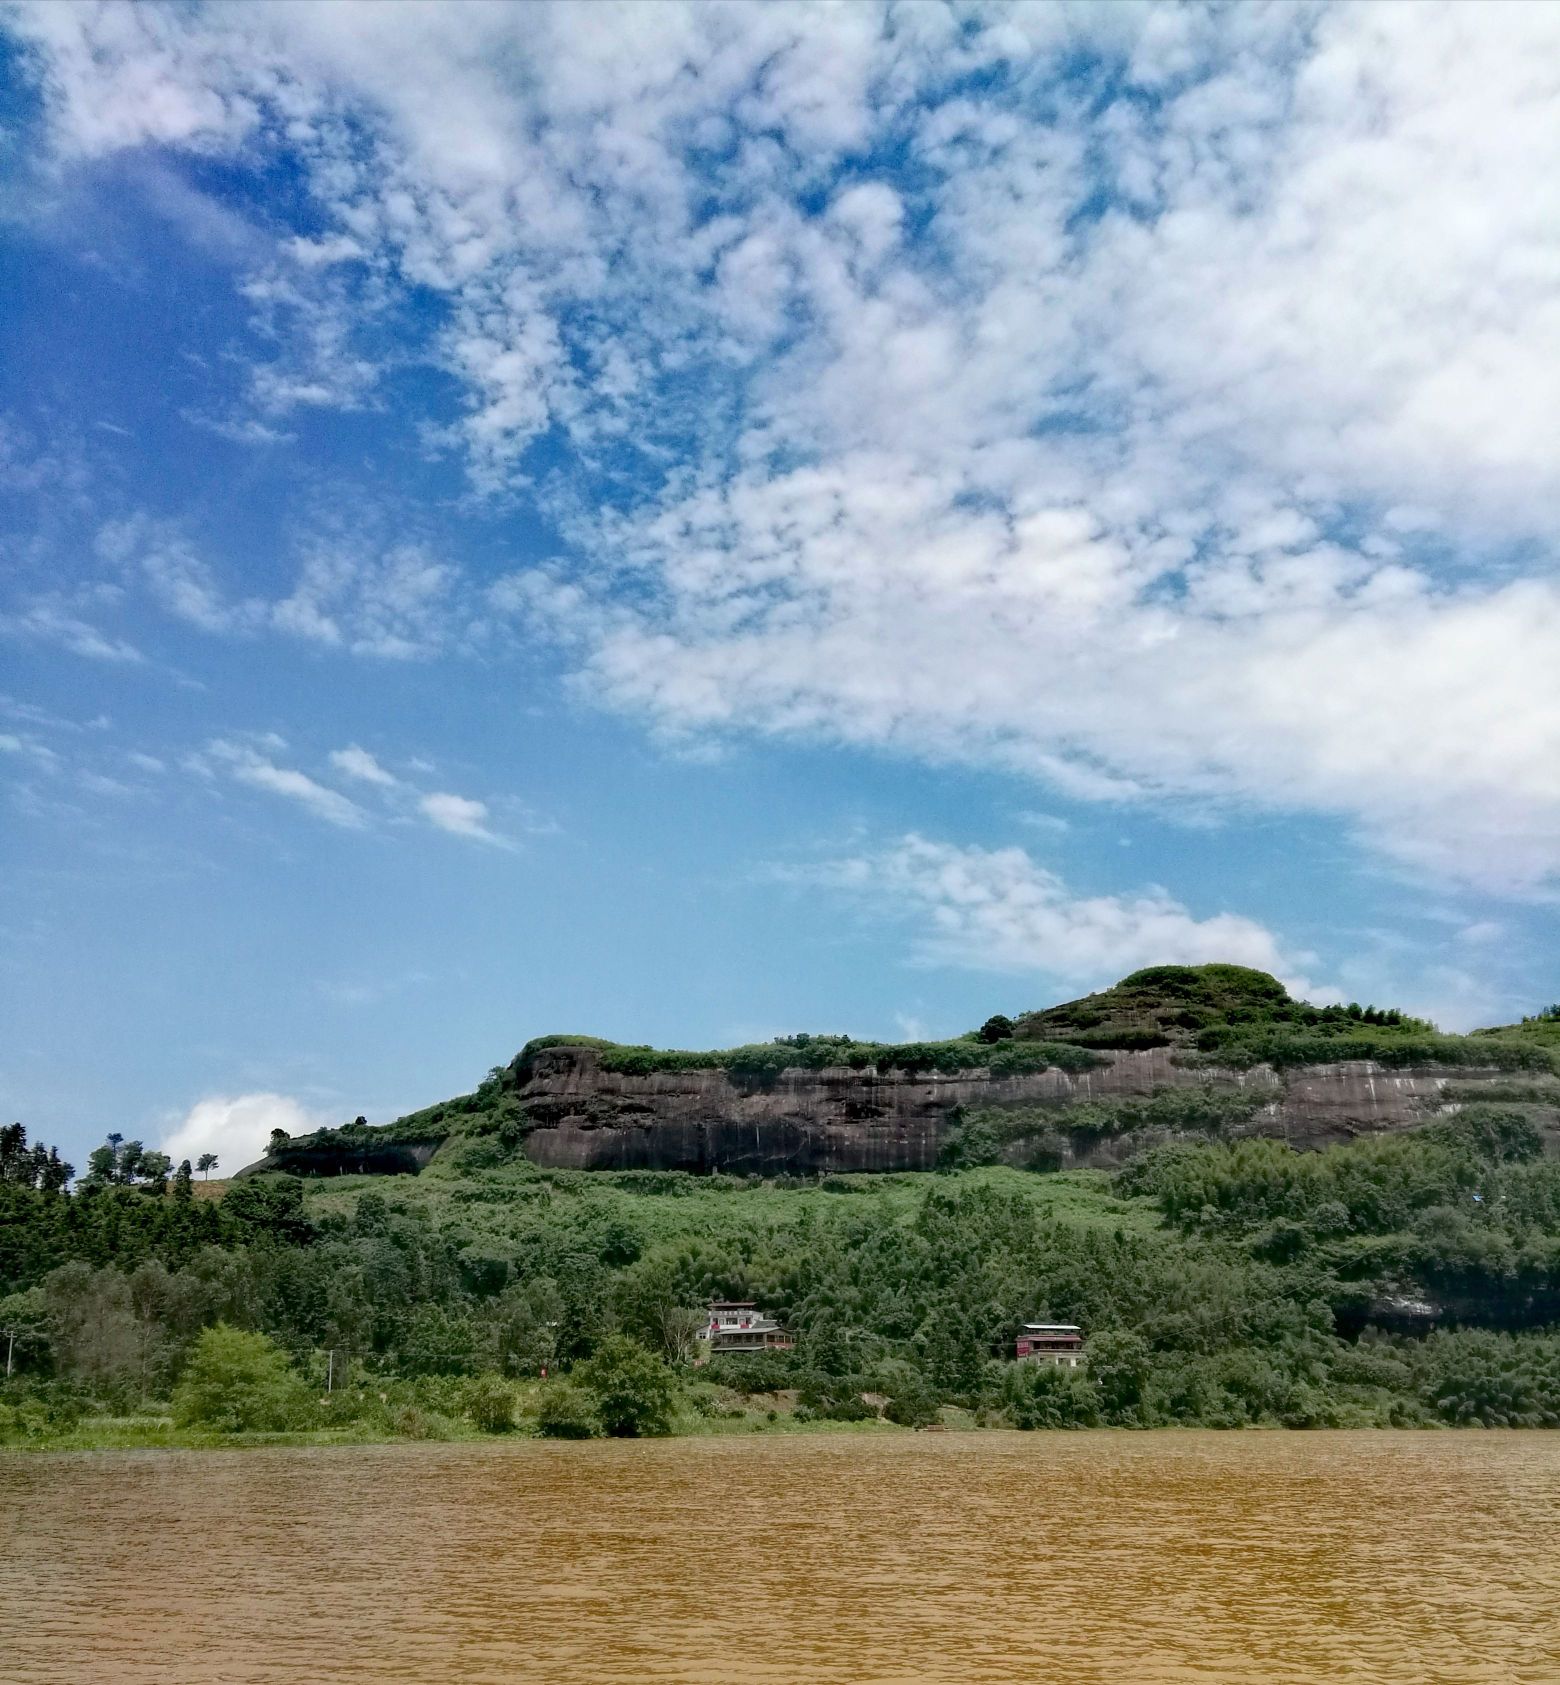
{"x":1052,"y":1328}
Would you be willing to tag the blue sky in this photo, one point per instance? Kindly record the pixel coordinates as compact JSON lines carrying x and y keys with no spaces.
{"x":695,"y":523}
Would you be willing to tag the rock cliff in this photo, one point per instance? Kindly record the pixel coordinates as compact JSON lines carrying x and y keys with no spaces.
{"x":837,"y":1119}
{"x":1169,"y":1053}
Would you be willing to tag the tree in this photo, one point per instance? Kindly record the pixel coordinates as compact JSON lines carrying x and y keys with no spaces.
{"x":278,"y":1142}
{"x":55,"y":1173}
{"x":15,"y":1161}
{"x":524,"y":1326}
{"x":205,"y":1164}
{"x":1119,"y":1368}
{"x":31,"y":1167}
{"x":94,"y":1330}
{"x":117,"y":1160}
{"x":679,"y":1329}
{"x":635,"y":1393}
{"x":154,"y":1168}
{"x":998,"y":1027}
{"x":102,"y":1165}
{"x":237,"y":1382}
{"x":24,"y":1325}
{"x":270,"y":1205}
{"x":183,"y":1182}
{"x":437,"y":1341}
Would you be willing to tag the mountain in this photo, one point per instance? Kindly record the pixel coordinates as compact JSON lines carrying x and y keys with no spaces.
{"x":1169,"y":1053}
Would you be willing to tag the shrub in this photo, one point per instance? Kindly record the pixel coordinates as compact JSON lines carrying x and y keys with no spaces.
{"x":1479,"y":1379}
{"x":413,"y":1422}
{"x":490,"y":1403}
{"x":237,"y":1382}
{"x":564,"y":1411}
{"x":1039,"y":1395}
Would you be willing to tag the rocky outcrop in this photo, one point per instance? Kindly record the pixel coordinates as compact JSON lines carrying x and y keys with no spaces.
{"x":808,"y":1122}
{"x":369,"y":1157}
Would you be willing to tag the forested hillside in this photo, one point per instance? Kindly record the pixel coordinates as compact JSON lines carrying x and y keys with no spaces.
{"x":1410,"y":1279}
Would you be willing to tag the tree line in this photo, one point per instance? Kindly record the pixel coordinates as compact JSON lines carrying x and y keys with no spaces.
{"x":1242,"y":1283}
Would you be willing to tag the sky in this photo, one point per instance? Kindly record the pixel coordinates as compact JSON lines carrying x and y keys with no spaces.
{"x":693,"y":523}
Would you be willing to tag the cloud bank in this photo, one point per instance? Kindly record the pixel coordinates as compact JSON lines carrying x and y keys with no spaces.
{"x":1157,"y":402}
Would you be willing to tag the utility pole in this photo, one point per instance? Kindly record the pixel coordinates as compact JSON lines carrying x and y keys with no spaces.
{"x":330,"y":1370}
{"x":10,"y":1349}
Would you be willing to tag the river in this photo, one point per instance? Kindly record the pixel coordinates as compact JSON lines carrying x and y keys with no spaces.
{"x":1130,"y":1558}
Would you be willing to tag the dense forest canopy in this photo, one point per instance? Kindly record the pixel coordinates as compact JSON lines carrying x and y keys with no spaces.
{"x":1221,"y":1284}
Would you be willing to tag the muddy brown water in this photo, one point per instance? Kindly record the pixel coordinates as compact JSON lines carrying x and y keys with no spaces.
{"x":1131,"y":1558}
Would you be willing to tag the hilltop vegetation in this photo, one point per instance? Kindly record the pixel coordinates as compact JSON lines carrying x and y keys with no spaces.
{"x":764,"y":1061}
{"x":1231,"y":1015}
{"x":1226,"y":1014}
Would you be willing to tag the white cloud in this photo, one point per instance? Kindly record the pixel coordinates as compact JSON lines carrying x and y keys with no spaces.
{"x":249,"y":766}
{"x":394,"y":602}
{"x":49,"y":621}
{"x":459,"y":815}
{"x":357,"y":763}
{"x":252,"y":760}
{"x":236,"y":1128}
{"x":997,"y":910}
{"x":178,"y":578}
{"x":28,"y":748}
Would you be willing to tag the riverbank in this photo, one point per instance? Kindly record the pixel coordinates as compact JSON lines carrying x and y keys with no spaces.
{"x":161,"y":1433}
{"x":706,"y":1413}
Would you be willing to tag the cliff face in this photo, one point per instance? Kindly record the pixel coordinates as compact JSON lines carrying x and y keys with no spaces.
{"x":808,"y":1122}
{"x":368,"y":1158}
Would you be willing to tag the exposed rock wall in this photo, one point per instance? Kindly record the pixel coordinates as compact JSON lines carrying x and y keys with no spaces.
{"x":820,"y":1121}
{"x":373,"y":1158}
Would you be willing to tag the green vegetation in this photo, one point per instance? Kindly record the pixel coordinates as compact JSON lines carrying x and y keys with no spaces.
{"x":632,"y":1391}
{"x":1231,"y":1016}
{"x":237,"y":1382}
{"x":1222,"y":1282}
{"x":763,"y":1062}
{"x":1542,"y":1029}
{"x":1223,"y":1278}
{"x":1042,"y":1137}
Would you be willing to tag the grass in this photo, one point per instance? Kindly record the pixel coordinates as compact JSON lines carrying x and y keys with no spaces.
{"x":670,"y":1207}
{"x":161,"y":1433}
{"x":708,"y":1411}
